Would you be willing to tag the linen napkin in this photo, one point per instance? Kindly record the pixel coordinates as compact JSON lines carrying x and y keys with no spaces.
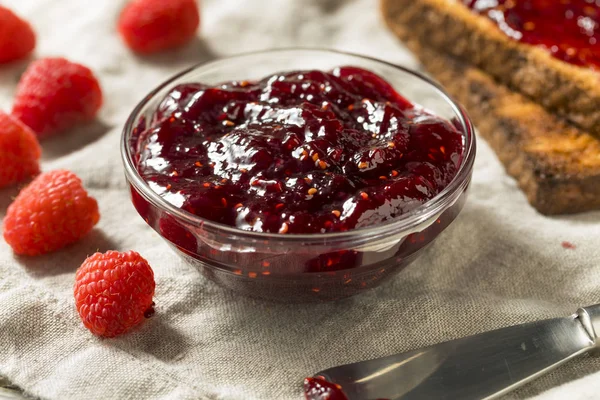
{"x":499,"y":263}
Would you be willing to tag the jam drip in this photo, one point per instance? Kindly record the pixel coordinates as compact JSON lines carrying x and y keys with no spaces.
{"x":297,"y":152}
{"x":320,"y":389}
{"x":568,"y":29}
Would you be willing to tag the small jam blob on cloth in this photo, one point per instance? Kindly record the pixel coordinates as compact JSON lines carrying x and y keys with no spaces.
{"x":320,"y":389}
{"x":568,"y":29}
{"x":297,"y":152}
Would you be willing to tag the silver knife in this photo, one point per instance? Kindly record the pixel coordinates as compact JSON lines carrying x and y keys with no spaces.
{"x":482,"y":366}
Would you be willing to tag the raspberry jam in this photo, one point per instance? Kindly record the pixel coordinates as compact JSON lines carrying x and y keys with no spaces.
{"x":297,"y":152}
{"x":320,"y":389}
{"x":568,"y":29}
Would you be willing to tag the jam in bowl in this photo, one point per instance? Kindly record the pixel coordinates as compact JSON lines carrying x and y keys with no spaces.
{"x":298,"y":175}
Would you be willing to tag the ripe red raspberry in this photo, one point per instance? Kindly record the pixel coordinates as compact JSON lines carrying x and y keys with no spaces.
{"x":148,"y":26}
{"x":17,"y":39}
{"x":19,"y":151}
{"x":55,"y":94}
{"x":113,"y":292}
{"x":52,"y":212}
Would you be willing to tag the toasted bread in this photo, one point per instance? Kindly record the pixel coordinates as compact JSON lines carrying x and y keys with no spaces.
{"x":449,"y":26}
{"x":555,"y":164}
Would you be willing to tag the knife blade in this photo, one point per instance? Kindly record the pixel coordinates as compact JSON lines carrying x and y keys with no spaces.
{"x":481,"y":366}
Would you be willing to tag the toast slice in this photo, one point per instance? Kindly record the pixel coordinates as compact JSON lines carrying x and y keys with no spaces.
{"x":449,"y":26}
{"x":556,"y":164}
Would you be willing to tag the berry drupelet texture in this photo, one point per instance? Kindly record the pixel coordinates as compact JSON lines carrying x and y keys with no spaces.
{"x":55,"y":94}
{"x":49,"y":214}
{"x":19,"y":151}
{"x":113,"y":292}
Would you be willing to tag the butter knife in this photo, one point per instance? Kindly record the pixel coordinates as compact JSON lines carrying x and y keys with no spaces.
{"x":482,"y":366}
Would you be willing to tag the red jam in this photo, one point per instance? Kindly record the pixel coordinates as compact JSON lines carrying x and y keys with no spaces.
{"x":297,"y":152}
{"x":568,"y":29}
{"x":321,"y":389}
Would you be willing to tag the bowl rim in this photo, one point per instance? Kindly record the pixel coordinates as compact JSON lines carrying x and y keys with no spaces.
{"x":405,"y":222}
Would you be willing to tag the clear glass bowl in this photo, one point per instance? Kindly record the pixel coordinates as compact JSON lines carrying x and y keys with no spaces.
{"x":274,"y":266}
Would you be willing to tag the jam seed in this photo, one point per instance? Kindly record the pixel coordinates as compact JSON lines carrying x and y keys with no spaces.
{"x":589,"y":11}
{"x":391,"y":145}
{"x":322,"y":164}
{"x":284,"y":228}
{"x":169,"y":186}
{"x":224,"y":201}
{"x":252,"y":274}
{"x":307,"y":180}
{"x":383,"y":178}
{"x":362,"y":165}
{"x":337,"y":213}
{"x":174,"y":173}
{"x":198,"y":164}
{"x":394,"y":172}
{"x":266,"y":264}
{"x":244,"y":83}
{"x":278,"y":206}
{"x":228,"y":123}
{"x":238,"y":206}
{"x":364,"y":195}
{"x":206,"y":184}
{"x":237,"y":271}
{"x":315,"y":157}
{"x":266,"y":273}
{"x":316,"y":289}
{"x":243,"y":170}
{"x":312,"y":191}
{"x":529,"y":26}
{"x":443,"y":150}
{"x":351,"y":107}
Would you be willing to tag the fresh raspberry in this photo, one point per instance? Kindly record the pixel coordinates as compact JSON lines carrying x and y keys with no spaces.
{"x":148,"y":26}
{"x":55,"y":94}
{"x":19,"y":151}
{"x":17,"y":39}
{"x":50,"y":213}
{"x":113,"y":292}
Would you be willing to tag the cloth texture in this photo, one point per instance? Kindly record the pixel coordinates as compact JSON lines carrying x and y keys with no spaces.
{"x":500,"y":263}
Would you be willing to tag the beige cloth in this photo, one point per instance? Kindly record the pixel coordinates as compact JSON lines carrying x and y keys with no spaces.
{"x":499,"y":264}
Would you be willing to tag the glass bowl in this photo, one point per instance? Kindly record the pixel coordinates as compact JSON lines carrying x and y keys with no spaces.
{"x":309,"y":267}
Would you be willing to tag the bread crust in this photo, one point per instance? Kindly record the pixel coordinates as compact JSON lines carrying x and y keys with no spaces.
{"x":449,"y":26}
{"x":555,"y":164}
